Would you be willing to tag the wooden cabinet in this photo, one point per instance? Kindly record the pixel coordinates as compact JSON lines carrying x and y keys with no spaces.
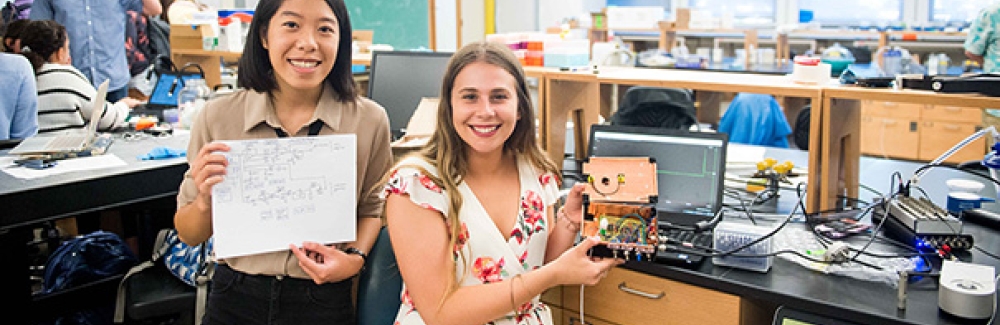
{"x":631,"y":298}
{"x":943,"y":127}
{"x":918,"y":131}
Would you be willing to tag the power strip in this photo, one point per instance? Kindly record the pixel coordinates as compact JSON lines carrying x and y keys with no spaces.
{"x":730,"y":235}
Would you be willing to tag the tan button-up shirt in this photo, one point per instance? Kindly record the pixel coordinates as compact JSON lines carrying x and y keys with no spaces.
{"x":248,"y":114}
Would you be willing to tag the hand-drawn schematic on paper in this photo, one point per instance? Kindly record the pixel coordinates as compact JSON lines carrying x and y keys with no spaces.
{"x":285,"y":191}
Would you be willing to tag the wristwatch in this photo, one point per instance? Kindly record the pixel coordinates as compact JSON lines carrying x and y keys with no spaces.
{"x":358,"y":252}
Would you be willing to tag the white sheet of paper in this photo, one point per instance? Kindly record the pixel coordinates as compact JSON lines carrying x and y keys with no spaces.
{"x":286,"y":191}
{"x":62,"y":166}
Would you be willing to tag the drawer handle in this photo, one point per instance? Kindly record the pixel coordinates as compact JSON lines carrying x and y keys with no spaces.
{"x":889,"y":122}
{"x":639,"y":293}
{"x":951,"y":127}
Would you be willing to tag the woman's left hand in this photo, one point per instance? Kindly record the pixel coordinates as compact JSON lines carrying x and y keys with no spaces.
{"x":574,"y":203}
{"x":326,"y":263}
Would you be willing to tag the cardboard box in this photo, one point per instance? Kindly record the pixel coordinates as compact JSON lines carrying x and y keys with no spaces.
{"x":190,"y":37}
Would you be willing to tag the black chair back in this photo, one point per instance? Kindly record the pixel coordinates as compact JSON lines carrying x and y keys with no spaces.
{"x":380,"y":284}
{"x":671,"y":108}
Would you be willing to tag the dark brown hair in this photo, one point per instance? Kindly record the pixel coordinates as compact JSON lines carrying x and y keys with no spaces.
{"x":40,"y":39}
{"x":256,"y":71}
{"x":13,"y":32}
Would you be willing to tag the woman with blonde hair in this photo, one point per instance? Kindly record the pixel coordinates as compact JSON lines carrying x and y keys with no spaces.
{"x":470,"y":215}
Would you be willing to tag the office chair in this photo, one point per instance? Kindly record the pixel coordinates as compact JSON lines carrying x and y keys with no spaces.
{"x":380,"y":284}
{"x":671,"y":108}
{"x":756,"y":119}
{"x":155,"y":296}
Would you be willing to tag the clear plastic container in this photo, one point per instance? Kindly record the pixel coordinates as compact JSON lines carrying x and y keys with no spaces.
{"x":190,"y":100}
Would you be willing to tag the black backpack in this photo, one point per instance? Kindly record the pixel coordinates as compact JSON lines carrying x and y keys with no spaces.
{"x":87,"y":258}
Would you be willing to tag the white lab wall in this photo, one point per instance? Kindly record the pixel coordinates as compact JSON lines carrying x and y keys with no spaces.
{"x":473,"y":26}
{"x":522,"y":15}
{"x":517,"y":15}
{"x":553,"y":12}
{"x":446,"y":25}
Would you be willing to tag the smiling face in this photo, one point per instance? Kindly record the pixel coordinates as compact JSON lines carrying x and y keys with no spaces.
{"x":484,"y":107}
{"x":302,"y":41}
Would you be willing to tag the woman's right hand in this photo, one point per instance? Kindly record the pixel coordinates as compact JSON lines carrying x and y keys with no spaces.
{"x":208,"y":169}
{"x":576,"y":266}
{"x":130,"y":102}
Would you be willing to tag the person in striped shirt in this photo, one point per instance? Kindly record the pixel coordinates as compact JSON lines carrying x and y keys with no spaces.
{"x":65,"y":95}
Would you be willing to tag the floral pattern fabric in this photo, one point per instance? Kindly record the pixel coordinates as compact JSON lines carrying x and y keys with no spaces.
{"x":488,"y":257}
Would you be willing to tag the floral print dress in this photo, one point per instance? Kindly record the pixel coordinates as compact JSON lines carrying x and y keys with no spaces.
{"x":488,"y":257}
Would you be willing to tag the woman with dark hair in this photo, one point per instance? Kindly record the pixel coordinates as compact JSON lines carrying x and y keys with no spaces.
{"x":296,"y":75}
{"x":12,"y":37}
{"x":470,"y":215}
{"x":65,"y":96}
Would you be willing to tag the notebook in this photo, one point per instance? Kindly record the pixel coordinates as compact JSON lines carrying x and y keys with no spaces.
{"x":71,"y":142}
{"x":690,"y":175}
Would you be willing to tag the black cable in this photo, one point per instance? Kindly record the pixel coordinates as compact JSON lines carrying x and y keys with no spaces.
{"x":981,"y":250}
{"x":769,"y":234}
{"x":892,"y":190}
{"x":897,"y":243}
{"x":922,"y":168}
{"x":874,"y":234}
{"x":904,"y":255}
{"x":922,"y":192}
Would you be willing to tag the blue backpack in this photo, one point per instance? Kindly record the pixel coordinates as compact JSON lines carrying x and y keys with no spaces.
{"x":87,"y":258}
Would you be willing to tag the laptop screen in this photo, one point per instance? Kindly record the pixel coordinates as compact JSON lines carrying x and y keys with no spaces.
{"x":166,"y":89}
{"x":690,"y":166}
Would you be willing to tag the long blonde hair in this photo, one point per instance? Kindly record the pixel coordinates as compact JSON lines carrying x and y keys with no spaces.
{"x":447,"y":152}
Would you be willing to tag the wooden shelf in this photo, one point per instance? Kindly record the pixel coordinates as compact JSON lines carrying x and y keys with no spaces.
{"x":224,"y":54}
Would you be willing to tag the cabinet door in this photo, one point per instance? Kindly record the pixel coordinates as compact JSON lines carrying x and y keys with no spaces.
{"x":905,"y":111}
{"x":557,"y":316}
{"x":945,"y":113}
{"x":938,"y":137}
{"x":633,"y":298}
{"x":889,"y":137}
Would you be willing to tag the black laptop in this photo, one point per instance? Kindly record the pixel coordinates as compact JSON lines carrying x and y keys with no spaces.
{"x":690,"y":174}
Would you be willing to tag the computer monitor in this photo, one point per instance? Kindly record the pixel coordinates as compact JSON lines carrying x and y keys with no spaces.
{"x":399,"y":79}
{"x":690,"y":166}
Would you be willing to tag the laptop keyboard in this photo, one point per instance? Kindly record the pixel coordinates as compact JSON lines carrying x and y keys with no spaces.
{"x":66,"y":142}
{"x":684,"y":248}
